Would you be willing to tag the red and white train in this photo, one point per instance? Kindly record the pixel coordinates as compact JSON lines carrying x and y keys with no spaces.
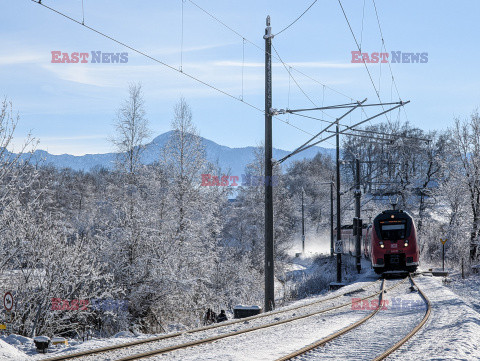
{"x":390,"y":242}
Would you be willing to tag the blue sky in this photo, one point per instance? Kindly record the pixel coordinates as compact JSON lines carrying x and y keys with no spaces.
{"x":71,"y":107}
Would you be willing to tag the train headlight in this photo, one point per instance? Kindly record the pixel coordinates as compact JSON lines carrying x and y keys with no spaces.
{"x":382,"y":245}
{"x":406,"y":243}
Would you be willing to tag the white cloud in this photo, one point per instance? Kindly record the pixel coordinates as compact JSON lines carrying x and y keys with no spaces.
{"x":78,"y":137}
{"x":191,"y":49}
{"x":225,"y":75}
{"x":21,"y":59}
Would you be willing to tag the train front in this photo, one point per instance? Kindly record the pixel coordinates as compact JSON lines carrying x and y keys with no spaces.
{"x":394,"y":242}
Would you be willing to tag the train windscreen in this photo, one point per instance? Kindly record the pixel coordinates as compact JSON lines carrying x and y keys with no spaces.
{"x":393,"y":230}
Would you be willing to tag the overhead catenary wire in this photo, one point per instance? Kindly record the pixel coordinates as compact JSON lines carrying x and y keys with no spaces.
{"x":385,"y":48}
{"x":315,"y":118}
{"x":339,"y":106}
{"x":359,"y":49}
{"x":306,"y":146}
{"x":278,"y":58}
{"x":357,"y":129}
{"x":303,"y":147}
{"x":288,"y":97}
{"x":288,"y":71}
{"x":301,"y":89}
{"x":363,"y":136}
{"x":263,"y":50}
{"x":363,"y":121}
{"x":343,"y":131}
{"x":195,"y":78}
{"x":163,"y":63}
{"x":392,"y":134}
{"x":298,"y":18}
{"x":304,"y":93}
{"x":387,"y":137}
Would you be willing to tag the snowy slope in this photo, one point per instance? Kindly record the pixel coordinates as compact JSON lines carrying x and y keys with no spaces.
{"x":11,"y":353}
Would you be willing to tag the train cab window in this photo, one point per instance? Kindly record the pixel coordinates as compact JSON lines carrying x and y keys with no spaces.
{"x":393,"y":230}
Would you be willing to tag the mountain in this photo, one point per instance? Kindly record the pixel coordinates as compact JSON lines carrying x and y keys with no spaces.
{"x":234,"y":159}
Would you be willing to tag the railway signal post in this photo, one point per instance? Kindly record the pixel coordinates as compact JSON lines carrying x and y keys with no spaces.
{"x":443,"y":252}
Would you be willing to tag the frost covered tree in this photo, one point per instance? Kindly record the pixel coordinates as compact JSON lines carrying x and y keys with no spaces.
{"x":131,"y":130}
{"x":190,"y":228}
{"x":312,"y":175}
{"x":126,"y":229}
{"x":184,"y":158}
{"x":453,"y":208}
{"x":466,"y":146}
{"x":16,"y":179}
{"x":247,"y":224}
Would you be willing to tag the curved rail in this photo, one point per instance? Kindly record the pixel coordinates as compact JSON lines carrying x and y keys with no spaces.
{"x":199,"y":329}
{"x":235,"y":333}
{"x":336,"y":334}
{"x":415,"y":329}
{"x":397,"y":345}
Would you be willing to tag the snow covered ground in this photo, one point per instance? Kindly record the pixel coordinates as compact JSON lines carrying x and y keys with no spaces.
{"x":468,"y":289}
{"x":22,"y":348}
{"x":452,"y":332}
{"x":10,"y":352}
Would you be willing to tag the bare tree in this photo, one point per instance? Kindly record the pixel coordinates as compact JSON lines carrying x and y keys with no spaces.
{"x":184,"y":158}
{"x":132,"y":130}
{"x":16,"y":176}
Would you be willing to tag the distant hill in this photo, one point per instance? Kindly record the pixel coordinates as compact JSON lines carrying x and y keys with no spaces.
{"x":234,"y":159}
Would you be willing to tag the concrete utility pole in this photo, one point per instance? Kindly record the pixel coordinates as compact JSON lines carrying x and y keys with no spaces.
{"x":331,"y":218}
{"x":269,"y":266}
{"x":357,"y":224}
{"x":339,"y":231}
{"x":303,"y":225}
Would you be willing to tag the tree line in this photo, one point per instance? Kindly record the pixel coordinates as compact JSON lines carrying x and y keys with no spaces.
{"x":153,"y":239}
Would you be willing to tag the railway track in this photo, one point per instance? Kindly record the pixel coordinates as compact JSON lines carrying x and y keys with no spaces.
{"x":85,"y":354}
{"x":397,"y":345}
{"x":366,"y":340}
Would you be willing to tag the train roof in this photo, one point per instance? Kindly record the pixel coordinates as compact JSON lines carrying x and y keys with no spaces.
{"x":392,"y":213}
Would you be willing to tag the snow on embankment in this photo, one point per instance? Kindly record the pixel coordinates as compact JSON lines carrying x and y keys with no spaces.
{"x":11,"y":353}
{"x":452,"y":331}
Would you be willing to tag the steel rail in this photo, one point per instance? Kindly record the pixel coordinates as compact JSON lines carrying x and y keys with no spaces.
{"x":333,"y":336}
{"x":415,"y":329}
{"x":358,"y":323}
{"x":195,"y":330}
{"x":239,"y":332}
